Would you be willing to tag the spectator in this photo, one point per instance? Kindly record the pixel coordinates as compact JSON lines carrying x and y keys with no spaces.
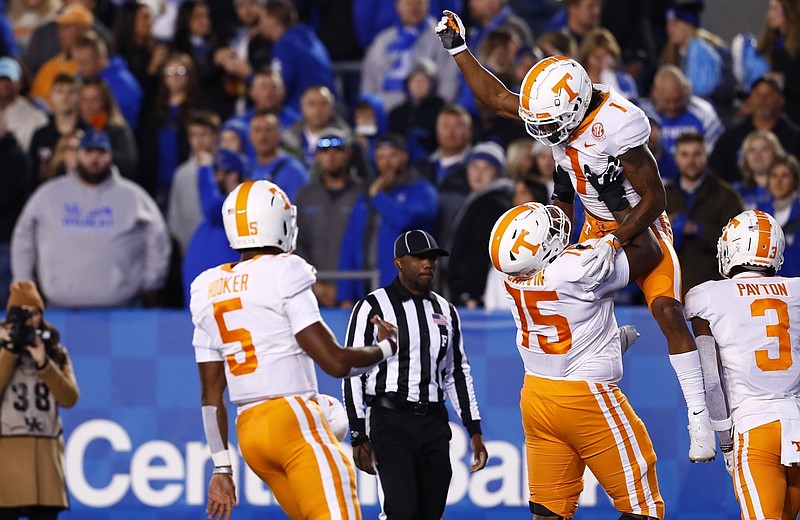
{"x":370,"y":122}
{"x":490,"y":196}
{"x":36,"y":378}
{"x":271,"y":163}
{"x":234,"y":135}
{"x":65,"y":155}
{"x":163,"y":144}
{"x":759,"y":151}
{"x":699,"y":204}
{"x":490,"y":15}
{"x":415,"y":119}
{"x":698,"y":58}
{"x":46,"y":39}
{"x":298,"y":55}
{"x":601,"y":56}
{"x":209,"y":245}
{"x":74,"y":21}
{"x":391,"y":55}
{"x":26,"y":117}
{"x":93,"y":62}
{"x":765,"y":106}
{"x":372,"y":16}
{"x":69,"y":219}
{"x":582,"y":17}
{"x":100,"y":111}
{"x":267,"y":92}
{"x":395,"y":202}
{"x":184,"y":212}
{"x":16,"y":180}
{"x":679,"y":112}
{"x":446,"y":168}
{"x":26,"y":15}
{"x":194,"y":36}
{"x":783,"y":183}
{"x":134,"y":42}
{"x":519,"y":159}
{"x":323,"y":210}
{"x":779,"y":44}
{"x":64,"y":120}
{"x":528,"y":188}
{"x":316,"y":109}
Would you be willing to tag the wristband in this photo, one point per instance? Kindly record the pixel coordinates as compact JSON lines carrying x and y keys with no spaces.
{"x":222,"y":470}
{"x":615,"y":243}
{"x":44,"y":364}
{"x":388,"y":347}
{"x":221,"y":458}
{"x":722,"y":425}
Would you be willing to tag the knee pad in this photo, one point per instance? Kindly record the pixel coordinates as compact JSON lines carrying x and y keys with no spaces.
{"x":540,"y":510}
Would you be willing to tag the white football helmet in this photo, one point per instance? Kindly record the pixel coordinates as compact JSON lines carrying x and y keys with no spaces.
{"x":553,"y":99}
{"x":753,"y":239}
{"x":527,"y":238}
{"x":259,"y":214}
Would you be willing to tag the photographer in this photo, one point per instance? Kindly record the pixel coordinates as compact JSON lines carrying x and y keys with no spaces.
{"x":35,"y":379}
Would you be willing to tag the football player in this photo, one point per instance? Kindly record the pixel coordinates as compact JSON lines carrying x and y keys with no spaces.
{"x":593,"y":129}
{"x":258,"y":332}
{"x":573,"y":413}
{"x":751,"y":321}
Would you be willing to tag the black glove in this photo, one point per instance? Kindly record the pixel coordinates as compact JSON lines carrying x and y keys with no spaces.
{"x":452,"y":32}
{"x":562,"y":189}
{"x":608,"y":184}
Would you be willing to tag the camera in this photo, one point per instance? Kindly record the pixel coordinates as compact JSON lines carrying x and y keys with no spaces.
{"x":21,"y":334}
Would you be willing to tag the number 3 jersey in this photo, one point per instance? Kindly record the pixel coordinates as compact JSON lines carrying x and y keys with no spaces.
{"x":756,"y":323}
{"x":247,"y":314}
{"x":564,"y":330}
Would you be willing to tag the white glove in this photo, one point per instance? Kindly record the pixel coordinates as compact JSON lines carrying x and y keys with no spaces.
{"x":730,"y":459}
{"x":334,"y":413}
{"x":601,"y":259}
{"x":628,"y":336}
{"x":452,"y":33}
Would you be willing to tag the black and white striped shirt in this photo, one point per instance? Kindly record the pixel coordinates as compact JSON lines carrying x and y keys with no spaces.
{"x":430,"y":359}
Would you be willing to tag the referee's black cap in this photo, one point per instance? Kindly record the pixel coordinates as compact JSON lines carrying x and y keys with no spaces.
{"x":417,"y":242}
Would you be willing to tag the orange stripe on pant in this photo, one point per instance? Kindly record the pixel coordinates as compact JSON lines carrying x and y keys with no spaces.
{"x":764,"y":487}
{"x":665,"y":278}
{"x":573,"y":424}
{"x":288,"y":444}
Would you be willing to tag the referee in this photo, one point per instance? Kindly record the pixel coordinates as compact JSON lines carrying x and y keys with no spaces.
{"x":398,"y":421}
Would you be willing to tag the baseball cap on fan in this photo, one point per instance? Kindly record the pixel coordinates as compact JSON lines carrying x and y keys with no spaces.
{"x":417,"y":242}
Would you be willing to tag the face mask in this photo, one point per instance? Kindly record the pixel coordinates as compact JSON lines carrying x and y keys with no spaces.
{"x":367,"y":130}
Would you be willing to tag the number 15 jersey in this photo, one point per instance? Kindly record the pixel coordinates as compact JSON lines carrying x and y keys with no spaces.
{"x":247,"y":314}
{"x":756,"y":323}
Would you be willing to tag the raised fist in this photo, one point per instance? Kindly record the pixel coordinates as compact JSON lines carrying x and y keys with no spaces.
{"x":452,"y":32}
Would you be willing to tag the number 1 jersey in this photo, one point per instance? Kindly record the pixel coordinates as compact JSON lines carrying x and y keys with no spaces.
{"x":246,"y":314}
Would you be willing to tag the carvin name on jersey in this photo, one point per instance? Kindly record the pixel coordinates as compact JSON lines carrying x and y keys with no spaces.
{"x":227,"y":285}
{"x":762,"y":289}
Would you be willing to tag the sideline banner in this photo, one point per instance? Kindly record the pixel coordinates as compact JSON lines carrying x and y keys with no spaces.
{"x":135,"y":447}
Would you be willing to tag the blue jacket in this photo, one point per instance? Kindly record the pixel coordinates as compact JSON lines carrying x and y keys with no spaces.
{"x":372,"y":16}
{"x":703,"y":67}
{"x":209,"y":245}
{"x":285,"y":170}
{"x":791,"y":232}
{"x":303,"y":62}
{"x":286,"y":118}
{"x":125,"y":88}
{"x":409,"y":205}
{"x":9,"y":43}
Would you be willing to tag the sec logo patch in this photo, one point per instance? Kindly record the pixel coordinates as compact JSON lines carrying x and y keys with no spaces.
{"x":598,"y":132}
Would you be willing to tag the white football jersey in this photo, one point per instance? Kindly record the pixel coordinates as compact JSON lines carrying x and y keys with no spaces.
{"x":565,"y":331}
{"x":756,"y":323}
{"x":607,"y":132}
{"x":247,"y":314}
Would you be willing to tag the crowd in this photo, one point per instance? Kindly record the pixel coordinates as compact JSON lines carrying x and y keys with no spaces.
{"x":125,"y":124}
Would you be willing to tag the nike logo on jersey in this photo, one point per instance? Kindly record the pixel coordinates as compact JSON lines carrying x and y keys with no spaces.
{"x":589,"y":145}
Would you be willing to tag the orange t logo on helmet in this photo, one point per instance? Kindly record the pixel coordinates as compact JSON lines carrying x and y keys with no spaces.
{"x":562,"y":83}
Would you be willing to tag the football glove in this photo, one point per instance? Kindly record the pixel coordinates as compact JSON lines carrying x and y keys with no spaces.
{"x":601,"y":259}
{"x":562,"y":186}
{"x":730,"y":458}
{"x":608,"y":184}
{"x":452,"y":33}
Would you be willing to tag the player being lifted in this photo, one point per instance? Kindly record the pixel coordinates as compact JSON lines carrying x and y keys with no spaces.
{"x":752,"y":322}
{"x":573,"y":413}
{"x":258,"y":332}
{"x":592,"y":128}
